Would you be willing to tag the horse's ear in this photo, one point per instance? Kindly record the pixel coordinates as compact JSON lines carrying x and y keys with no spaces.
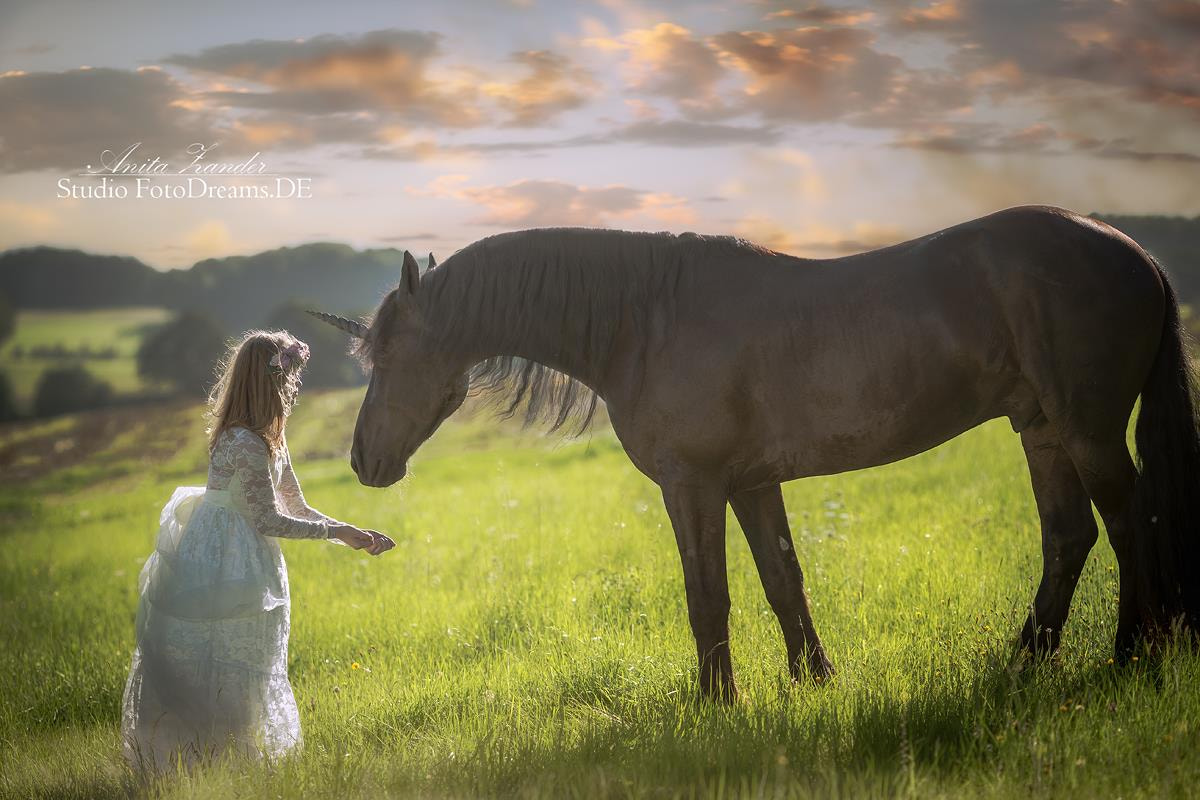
{"x":411,"y":274}
{"x":432,"y":262}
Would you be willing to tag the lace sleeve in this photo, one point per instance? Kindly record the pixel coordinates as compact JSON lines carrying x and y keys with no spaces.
{"x":292,"y":497}
{"x":252,"y":465}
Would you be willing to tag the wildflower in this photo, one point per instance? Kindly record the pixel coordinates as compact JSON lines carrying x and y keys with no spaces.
{"x":355,"y":665}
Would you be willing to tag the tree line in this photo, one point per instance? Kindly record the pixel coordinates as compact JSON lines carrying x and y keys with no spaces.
{"x":218,"y":298}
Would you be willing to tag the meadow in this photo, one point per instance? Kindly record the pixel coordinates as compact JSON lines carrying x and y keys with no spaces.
{"x":528,"y":635}
{"x":121,"y":329}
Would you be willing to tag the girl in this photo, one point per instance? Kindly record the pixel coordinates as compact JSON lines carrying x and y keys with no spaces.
{"x":209,"y":673}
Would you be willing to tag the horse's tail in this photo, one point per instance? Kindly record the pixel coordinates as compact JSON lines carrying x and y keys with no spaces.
{"x":1166,"y":502}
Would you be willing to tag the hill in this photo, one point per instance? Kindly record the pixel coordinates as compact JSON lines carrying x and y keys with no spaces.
{"x":238,"y":290}
{"x":234,"y":290}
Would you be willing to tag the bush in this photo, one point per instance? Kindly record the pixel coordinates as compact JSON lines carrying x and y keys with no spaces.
{"x":183,"y":353}
{"x":329,"y":364}
{"x":69,"y":389}
{"x":8,"y":403}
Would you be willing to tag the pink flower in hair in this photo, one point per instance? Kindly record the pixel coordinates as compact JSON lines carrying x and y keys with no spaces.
{"x":295,"y":353}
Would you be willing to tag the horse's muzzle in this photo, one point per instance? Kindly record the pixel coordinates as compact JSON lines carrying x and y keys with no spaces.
{"x":377,"y":472}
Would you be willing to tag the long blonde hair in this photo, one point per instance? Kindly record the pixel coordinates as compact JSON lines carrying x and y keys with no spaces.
{"x":258,"y":384}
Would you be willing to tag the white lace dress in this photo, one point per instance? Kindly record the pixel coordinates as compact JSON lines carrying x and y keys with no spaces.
{"x":210,"y":669}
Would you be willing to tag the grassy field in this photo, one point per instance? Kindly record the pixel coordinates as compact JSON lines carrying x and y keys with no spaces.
{"x":120,"y":328}
{"x":528,"y":634}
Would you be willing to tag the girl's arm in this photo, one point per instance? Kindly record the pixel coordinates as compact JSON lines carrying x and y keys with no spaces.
{"x":292,"y":497}
{"x":251,"y":459}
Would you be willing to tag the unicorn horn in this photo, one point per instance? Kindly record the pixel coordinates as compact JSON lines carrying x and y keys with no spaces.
{"x":352,"y":327}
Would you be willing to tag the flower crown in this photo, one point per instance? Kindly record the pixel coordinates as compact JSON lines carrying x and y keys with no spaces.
{"x":295,"y":354}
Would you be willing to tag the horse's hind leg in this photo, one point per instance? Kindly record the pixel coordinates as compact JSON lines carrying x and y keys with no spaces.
{"x":1107,"y":471}
{"x":764,"y":521}
{"x":1068,"y":533}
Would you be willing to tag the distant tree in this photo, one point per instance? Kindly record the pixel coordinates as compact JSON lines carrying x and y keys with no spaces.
{"x":329,"y":364}
{"x":183,"y":353}
{"x":64,"y":390}
{"x":8,"y":403}
{"x":8,"y":319}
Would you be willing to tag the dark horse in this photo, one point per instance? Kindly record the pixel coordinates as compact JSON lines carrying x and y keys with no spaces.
{"x":727,"y":368}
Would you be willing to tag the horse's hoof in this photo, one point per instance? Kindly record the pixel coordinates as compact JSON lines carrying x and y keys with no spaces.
{"x":819,"y":671}
{"x":1040,"y":644}
{"x":726,"y":695}
{"x":1126,"y":653}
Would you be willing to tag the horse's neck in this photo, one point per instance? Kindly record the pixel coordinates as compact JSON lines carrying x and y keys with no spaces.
{"x":514,"y":305}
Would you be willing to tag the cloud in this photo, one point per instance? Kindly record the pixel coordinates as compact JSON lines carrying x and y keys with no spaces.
{"x":936,"y":16}
{"x":1037,"y":139}
{"x":371,"y":90}
{"x":675,"y":133}
{"x":910,"y":67}
{"x":805,"y":73}
{"x":810,"y":73}
{"x":687,"y":133}
{"x":553,"y":85}
{"x":550,"y":203}
{"x":389,"y":74}
{"x":383,"y":70}
{"x":669,"y":61}
{"x":64,"y":120}
{"x":816,"y":13}
{"x":537,"y":203}
{"x":970,"y":138}
{"x":1146,"y":50}
{"x":285,"y":130}
{"x":34,"y":49}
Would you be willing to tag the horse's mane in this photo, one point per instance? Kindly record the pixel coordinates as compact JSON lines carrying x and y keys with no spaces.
{"x":584,"y":284}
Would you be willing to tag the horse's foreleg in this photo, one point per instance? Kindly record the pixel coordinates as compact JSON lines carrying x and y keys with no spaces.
{"x":1068,"y":533}
{"x":764,"y":521}
{"x":697,"y":512}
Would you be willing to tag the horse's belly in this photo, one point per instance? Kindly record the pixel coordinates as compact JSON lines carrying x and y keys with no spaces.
{"x":829,"y":432}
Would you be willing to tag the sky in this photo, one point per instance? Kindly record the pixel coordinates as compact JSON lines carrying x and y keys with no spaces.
{"x":814,"y":128}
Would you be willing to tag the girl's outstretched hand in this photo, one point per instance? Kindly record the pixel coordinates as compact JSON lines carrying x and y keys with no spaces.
{"x":382,"y":543}
{"x":371,"y":541}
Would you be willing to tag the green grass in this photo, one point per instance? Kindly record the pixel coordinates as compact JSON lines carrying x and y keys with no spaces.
{"x":528,"y":634}
{"x":120,"y":328}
